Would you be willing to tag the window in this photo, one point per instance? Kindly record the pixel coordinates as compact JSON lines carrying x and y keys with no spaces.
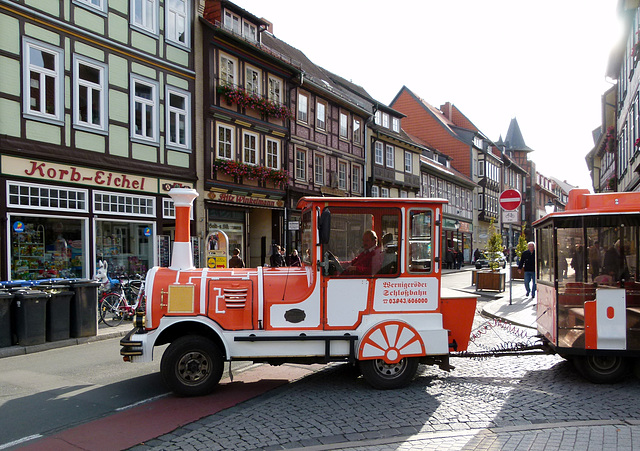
{"x":404,"y":194}
{"x":408,"y":166}
{"x":318,"y":169}
{"x":89,"y":107}
{"x":396,"y":124}
{"x":169,"y":209}
{"x":249,"y":31}
{"x":96,"y":4}
{"x":385,"y":192}
{"x":252,"y":81}
{"x":43,"y":80}
{"x":342,"y":175}
{"x":144,"y":111}
{"x":273,"y":154}
{"x":321,"y":116}
{"x":302,"y":108}
{"x":377,"y":119}
{"x":144,"y":14}
{"x":420,"y":243}
{"x":232,"y":22}
{"x":275,"y":89}
{"x":249,"y":147}
{"x":390,"y":157}
{"x":178,"y":118}
{"x":123,"y":204}
{"x":227,"y":70}
{"x":480,"y":202}
{"x":385,"y":120}
{"x":375,"y":191}
{"x":477,"y":141}
{"x":356,"y":131}
{"x":481,"y":168}
{"x":356,"y":173}
{"x":344,"y":132}
{"x":301,"y":164}
{"x":30,"y":195}
{"x":379,"y":153}
{"x":177,"y":21}
{"x":225,"y":142}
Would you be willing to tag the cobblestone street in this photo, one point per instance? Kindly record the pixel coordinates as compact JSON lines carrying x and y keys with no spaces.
{"x":530,"y":402}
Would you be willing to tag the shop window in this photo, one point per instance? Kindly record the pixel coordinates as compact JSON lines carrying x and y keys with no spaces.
{"x":126,"y":246}
{"x":123,"y":204}
{"x":30,"y":195}
{"x":46,"y":247}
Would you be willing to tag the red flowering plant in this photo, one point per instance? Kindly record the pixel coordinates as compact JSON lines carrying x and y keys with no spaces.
{"x":251,"y":172}
{"x":254,"y":101}
{"x":637,"y":143}
{"x":612,"y":183}
{"x":611,"y":141}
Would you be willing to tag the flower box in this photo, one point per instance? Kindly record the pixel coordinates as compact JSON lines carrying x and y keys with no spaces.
{"x":490,"y":280}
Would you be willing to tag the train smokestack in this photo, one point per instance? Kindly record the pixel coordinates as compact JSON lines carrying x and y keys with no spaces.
{"x":182,"y":255}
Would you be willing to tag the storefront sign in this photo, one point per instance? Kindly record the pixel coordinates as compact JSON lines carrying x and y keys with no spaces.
{"x":168,"y":185}
{"x":45,"y":171}
{"x":246,"y":200}
{"x":294,"y":225}
{"x":18,"y":227}
{"x":147,"y":231}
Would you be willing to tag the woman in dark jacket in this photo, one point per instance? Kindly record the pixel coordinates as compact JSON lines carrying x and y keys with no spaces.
{"x":276,"y":260}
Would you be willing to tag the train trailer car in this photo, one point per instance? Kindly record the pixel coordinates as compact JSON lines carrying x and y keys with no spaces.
{"x":368,"y":292}
{"x":588,"y":306}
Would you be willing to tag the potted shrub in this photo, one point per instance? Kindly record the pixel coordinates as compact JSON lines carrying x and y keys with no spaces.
{"x":492,"y":279}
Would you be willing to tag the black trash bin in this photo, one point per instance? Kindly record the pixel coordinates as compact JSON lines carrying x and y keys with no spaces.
{"x":58,"y":313}
{"x":84,"y":308}
{"x":29,"y":313}
{"x":5,"y":318}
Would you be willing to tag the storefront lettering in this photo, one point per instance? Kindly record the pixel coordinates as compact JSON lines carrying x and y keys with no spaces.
{"x":72,"y":174}
{"x":247,"y":200}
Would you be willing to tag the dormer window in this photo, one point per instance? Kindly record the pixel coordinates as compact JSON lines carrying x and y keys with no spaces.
{"x":477,"y":141}
{"x":249,"y":31}
{"x":378,"y":119}
{"x":385,"y":120}
{"x":232,"y":22}
{"x":395,"y":123}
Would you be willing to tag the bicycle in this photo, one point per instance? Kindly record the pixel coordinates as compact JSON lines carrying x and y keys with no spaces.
{"x":121,"y":302}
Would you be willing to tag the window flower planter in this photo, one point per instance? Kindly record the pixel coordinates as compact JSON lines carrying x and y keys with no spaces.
{"x":254,"y":101}
{"x":245,"y":171}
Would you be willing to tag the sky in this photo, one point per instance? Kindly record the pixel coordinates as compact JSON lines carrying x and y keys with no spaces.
{"x":542,"y":62}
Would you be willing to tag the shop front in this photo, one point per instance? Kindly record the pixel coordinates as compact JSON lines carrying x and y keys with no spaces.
{"x":62,"y":220}
{"x":252,"y":223}
{"x":457,"y":237}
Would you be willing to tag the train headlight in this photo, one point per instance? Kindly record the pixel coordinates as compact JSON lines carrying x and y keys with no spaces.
{"x":139,"y":320}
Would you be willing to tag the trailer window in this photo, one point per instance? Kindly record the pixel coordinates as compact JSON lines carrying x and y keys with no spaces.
{"x":546,"y":266}
{"x":420,"y":254}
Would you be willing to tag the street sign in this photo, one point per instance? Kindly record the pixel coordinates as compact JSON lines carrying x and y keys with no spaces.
{"x":509,"y":217}
{"x":510,"y":199}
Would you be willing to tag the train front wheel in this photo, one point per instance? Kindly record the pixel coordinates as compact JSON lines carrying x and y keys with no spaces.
{"x":601,"y":369}
{"x":386,"y":376}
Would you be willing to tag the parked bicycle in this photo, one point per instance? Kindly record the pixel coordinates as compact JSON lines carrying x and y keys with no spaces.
{"x":121,"y":302}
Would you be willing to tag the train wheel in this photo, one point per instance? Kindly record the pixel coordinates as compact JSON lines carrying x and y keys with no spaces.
{"x":192,"y":366}
{"x":384,"y":376}
{"x":601,"y":369}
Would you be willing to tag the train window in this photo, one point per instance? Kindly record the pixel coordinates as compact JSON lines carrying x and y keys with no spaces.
{"x":544,"y":253}
{"x":307,"y":238}
{"x":420,"y":255}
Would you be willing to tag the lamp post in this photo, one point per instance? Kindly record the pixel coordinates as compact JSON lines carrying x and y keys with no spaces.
{"x":549,"y":207}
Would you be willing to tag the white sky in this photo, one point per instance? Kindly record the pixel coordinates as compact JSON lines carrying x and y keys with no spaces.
{"x":540,"y":61}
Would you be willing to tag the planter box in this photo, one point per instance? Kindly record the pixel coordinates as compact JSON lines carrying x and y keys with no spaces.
{"x":490,"y":280}
{"x":474,"y":276}
{"x":517,"y":273}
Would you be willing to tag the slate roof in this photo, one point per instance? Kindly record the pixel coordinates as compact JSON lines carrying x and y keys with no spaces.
{"x":514,"y":139}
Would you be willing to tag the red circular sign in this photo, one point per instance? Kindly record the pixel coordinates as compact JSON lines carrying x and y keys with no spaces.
{"x":510,"y":199}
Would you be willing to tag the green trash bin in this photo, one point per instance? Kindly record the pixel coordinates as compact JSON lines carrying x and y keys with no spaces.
{"x":84,"y":308}
{"x":5,"y":318}
{"x":29,"y":313}
{"x":58,"y":312}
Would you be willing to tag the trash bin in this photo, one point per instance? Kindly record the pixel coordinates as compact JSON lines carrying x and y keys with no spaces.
{"x":84,"y":308}
{"x":30,"y":312}
{"x":5,"y":318}
{"x":58,"y":313}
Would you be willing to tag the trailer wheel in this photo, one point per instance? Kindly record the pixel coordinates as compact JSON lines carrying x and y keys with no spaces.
{"x":601,"y":369}
{"x":385,"y":376}
{"x":192,"y":366}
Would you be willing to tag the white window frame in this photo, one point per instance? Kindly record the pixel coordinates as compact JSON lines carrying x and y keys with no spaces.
{"x":227,"y":75}
{"x":385,"y":120}
{"x":275,"y":90}
{"x":252,"y":78}
{"x":234,"y":20}
{"x":177,"y":112}
{"x":270,"y":155}
{"x":139,"y":206}
{"x":169,"y":208}
{"x":356,"y":173}
{"x":143,"y":24}
{"x":344,"y":127}
{"x":395,"y":124}
{"x":248,"y":151}
{"x":249,"y":30}
{"x":375,"y":191}
{"x":481,"y":168}
{"x":230,"y":143}
{"x":318,"y":169}
{"x":377,"y":118}
{"x":153,"y":103}
{"x":91,"y":87}
{"x":57,"y":73}
{"x":408,"y":162}
{"x":301,"y":164}
{"x":302,"y":113}
{"x":379,"y":153}
{"x":404,"y":194}
{"x":343,"y":168}
{"x":384,"y":192}
{"x":174,"y":17}
{"x":390,"y":156}
{"x":35,"y":196}
{"x":98,"y":5}
{"x":321,"y":119}
{"x":357,"y":132}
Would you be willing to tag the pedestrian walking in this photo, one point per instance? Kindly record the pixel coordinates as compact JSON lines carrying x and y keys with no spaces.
{"x":236,"y":261}
{"x":528,"y":262}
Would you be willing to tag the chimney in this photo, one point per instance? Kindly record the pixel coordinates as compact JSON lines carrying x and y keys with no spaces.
{"x":182,"y":255}
{"x":269,"y":25}
{"x":447,"y":110}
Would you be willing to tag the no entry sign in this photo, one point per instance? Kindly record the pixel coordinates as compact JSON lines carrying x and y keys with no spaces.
{"x":510,"y":199}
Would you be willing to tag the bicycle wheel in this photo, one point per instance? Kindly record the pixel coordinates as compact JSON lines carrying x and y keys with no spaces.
{"x":112,"y":309}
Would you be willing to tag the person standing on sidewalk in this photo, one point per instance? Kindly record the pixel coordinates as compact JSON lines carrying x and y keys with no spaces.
{"x":528,"y":262}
